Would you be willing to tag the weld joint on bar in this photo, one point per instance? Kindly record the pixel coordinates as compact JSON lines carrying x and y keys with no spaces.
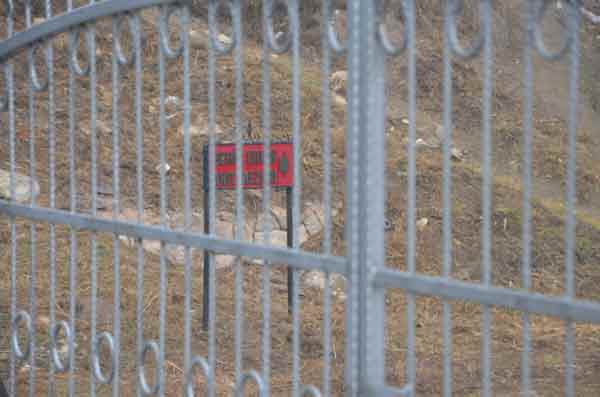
{"x":280,"y":255}
{"x":79,"y":16}
{"x":557,"y":306}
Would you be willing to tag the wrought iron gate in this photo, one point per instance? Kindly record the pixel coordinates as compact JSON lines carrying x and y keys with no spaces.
{"x":38,"y":226}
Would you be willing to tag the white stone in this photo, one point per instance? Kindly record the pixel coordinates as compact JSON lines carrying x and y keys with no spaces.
{"x":339,"y":294}
{"x":312,"y":219}
{"x":456,"y":154}
{"x":199,"y":39}
{"x":422,"y":224}
{"x":22,"y":187}
{"x":339,"y":100}
{"x":172,"y":100}
{"x":224,"y":261}
{"x":277,"y":238}
{"x":167,"y":168}
{"x":200,"y":127}
{"x":279,"y":215}
{"x":317,"y":279}
{"x":314,"y":279}
{"x":338,"y":80}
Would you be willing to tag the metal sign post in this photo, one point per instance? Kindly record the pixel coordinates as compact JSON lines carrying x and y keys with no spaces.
{"x":252,"y":178}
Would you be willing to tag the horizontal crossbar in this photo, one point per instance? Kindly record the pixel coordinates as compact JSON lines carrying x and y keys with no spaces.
{"x":562,"y":307}
{"x":284,"y":256}
{"x":78,"y":16}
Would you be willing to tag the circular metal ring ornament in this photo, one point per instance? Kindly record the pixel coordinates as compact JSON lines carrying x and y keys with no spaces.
{"x":58,"y":363}
{"x":388,"y":47}
{"x":22,"y":316}
{"x":222,"y":48}
{"x":163,"y":27}
{"x":279,"y":42}
{"x":540,"y":9}
{"x":122,"y":58}
{"x":98,"y":374}
{"x":453,"y":9}
{"x":197,"y":362}
{"x":248,"y":376}
{"x":38,"y":85}
{"x":146,"y":389}
{"x":74,"y":46}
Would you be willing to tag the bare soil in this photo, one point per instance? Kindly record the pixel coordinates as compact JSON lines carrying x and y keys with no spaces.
{"x":548,"y":252}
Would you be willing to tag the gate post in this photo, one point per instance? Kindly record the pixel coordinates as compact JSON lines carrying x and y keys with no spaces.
{"x":365,"y":351}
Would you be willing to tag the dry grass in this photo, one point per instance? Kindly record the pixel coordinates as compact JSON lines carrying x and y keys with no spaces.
{"x":548,"y":334}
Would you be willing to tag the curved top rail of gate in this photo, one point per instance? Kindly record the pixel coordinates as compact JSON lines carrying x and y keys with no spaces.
{"x":79,"y":16}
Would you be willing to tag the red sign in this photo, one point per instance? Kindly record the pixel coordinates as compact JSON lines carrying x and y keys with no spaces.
{"x":282,"y":159}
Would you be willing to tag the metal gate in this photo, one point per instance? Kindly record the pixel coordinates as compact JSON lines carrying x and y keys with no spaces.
{"x":59,"y":210}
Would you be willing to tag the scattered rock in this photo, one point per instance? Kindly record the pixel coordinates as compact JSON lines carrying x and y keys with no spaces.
{"x":104,"y":206}
{"x":43,"y":321}
{"x":456,"y":154}
{"x":312,"y":219}
{"x":200,"y":127}
{"x":199,"y":39}
{"x":279,"y":215}
{"x":105,"y":189}
{"x":167,"y":168}
{"x":338,"y":80}
{"x":317,"y":279}
{"x":277,"y":238}
{"x":314,"y":279}
{"x":339,"y":294}
{"x":422,"y":223}
{"x":339,"y":100}
{"x":338,"y":87}
{"x":22,"y":187}
{"x":224,"y":261}
{"x":405,"y":121}
{"x":439,"y":132}
{"x":278,"y":220}
{"x":172,"y":100}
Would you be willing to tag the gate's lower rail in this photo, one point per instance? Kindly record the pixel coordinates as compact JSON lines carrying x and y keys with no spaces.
{"x":562,"y":307}
{"x":285,"y":256}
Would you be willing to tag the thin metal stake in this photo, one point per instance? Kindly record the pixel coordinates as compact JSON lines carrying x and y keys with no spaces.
{"x":289,"y":198}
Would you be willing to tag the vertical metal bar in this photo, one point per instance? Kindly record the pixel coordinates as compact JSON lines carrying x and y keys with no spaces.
{"x":326,"y":125}
{"x":94,"y":183}
{"x":187,"y":205}
{"x":486,"y":193}
{"x":411,"y":210}
{"x":73,"y":208}
{"x":296,"y":189}
{"x":8,"y":73}
{"x":52,"y":194}
{"x":366,"y":154}
{"x":163,"y":222}
{"x":266,"y":270}
{"x":115,"y":209}
{"x":33,"y":228}
{"x":527,"y":181}
{"x":139,"y":143}
{"x":239,"y":198}
{"x":447,"y":207}
{"x":206,"y":261}
{"x":211,"y":200}
{"x":353,"y":129}
{"x":571,"y":193}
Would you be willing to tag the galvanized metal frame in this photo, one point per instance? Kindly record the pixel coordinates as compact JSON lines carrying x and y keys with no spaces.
{"x":367,"y":49}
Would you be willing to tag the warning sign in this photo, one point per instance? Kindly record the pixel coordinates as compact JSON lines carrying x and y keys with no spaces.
{"x":252,"y":161}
